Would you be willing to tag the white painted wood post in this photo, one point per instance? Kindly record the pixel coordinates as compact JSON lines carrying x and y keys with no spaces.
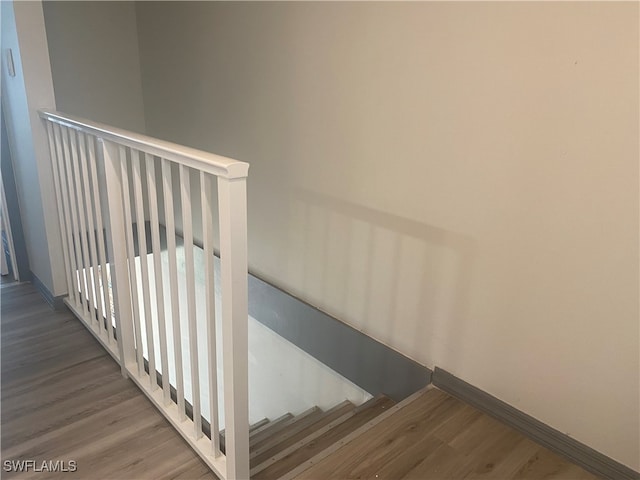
{"x":116,"y":245}
{"x":89,"y":199}
{"x":154,"y":225}
{"x":131,"y":255}
{"x":232,"y":205}
{"x":141,"y":231}
{"x":105,"y":323}
{"x":55,"y":156}
{"x":68,"y":229}
{"x":206,"y":201}
{"x":187,"y":235}
{"x":167,"y":190}
{"x":88,"y":309}
{"x":70,"y":196}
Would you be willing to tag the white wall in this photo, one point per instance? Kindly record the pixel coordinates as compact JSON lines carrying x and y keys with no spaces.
{"x":95,"y":61}
{"x":459,"y":181}
{"x":22,"y":95}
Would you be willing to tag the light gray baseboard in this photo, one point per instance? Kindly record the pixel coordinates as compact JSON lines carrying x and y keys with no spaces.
{"x":577,"y":452}
{"x":57,"y":303}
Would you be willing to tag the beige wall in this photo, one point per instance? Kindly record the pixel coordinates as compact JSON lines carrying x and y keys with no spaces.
{"x":459,"y":181}
{"x":95,"y":62}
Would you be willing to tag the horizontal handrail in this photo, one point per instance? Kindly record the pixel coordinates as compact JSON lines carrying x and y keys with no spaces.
{"x":191,"y":157}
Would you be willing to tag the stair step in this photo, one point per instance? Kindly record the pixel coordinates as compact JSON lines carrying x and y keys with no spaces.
{"x":299,"y":421}
{"x":297,"y":433}
{"x":386,"y":446}
{"x":266,"y":430}
{"x":307,"y":450}
{"x":256,"y":425}
{"x":255,"y":430}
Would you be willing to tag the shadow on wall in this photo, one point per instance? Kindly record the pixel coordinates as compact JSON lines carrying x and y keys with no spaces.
{"x":399,"y":281}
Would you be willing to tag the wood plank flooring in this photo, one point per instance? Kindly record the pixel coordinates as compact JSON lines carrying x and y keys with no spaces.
{"x":439,"y":437}
{"x":63,"y":398}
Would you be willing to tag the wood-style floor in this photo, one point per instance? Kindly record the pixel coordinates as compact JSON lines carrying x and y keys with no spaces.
{"x":63,"y":398}
{"x":438,"y":437}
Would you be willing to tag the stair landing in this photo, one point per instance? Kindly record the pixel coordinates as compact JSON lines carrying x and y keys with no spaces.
{"x":433,"y":435}
{"x":430,"y":435}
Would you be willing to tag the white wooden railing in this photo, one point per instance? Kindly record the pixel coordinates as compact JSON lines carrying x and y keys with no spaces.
{"x":106,"y":180}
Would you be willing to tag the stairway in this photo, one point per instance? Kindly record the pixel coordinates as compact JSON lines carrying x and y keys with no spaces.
{"x":430,"y":435}
{"x":282,"y":444}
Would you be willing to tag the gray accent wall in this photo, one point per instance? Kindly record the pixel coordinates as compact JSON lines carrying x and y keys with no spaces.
{"x":366,"y":362}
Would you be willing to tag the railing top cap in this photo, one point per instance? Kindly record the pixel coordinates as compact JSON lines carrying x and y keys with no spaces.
{"x":216,"y":164}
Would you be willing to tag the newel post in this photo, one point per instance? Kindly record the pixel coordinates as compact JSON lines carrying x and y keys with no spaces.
{"x":116,"y":247}
{"x":232,"y":205}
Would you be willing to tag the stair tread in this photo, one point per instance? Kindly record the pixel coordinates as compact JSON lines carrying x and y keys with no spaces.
{"x":268,"y":429}
{"x":376,"y":450}
{"x":292,"y":435}
{"x":258,"y":424}
{"x":299,"y":421}
{"x":304,"y":418}
{"x":362,"y":414}
{"x":264,"y":426}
